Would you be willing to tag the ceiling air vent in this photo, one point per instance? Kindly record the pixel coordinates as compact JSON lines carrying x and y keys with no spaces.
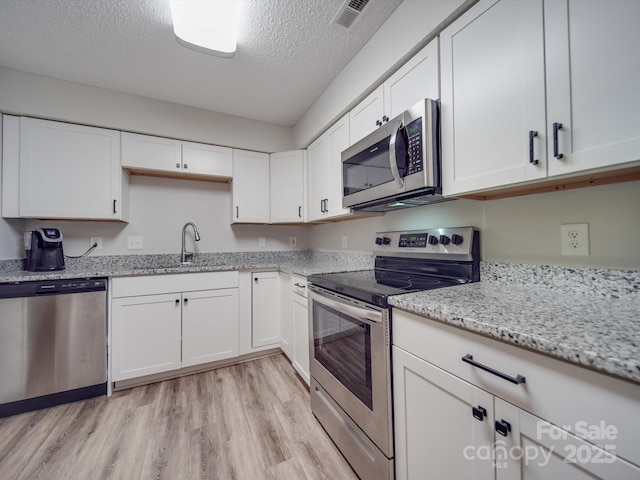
{"x":349,"y":12}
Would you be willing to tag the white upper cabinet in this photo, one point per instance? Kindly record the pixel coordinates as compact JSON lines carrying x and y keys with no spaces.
{"x":62,"y":171}
{"x":415,"y":80}
{"x":493,"y":96}
{"x":210,"y":160}
{"x":593,"y":69}
{"x":324,"y":181}
{"x":317,"y":183}
{"x":506,"y":122}
{"x":286,"y":182}
{"x":250,"y":187}
{"x":368,"y":115}
{"x":148,"y":154}
{"x":151,"y":153}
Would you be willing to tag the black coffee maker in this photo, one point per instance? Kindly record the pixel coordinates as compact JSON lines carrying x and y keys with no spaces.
{"x":43,"y":247}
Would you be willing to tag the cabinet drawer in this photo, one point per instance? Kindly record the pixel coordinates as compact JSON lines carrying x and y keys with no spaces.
{"x":182,"y":282}
{"x":299,"y":285}
{"x":566,"y":395}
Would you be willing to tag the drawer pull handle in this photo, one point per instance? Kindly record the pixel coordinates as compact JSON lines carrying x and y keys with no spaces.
{"x":479,"y":413}
{"x":503,"y":427}
{"x":298,"y":285}
{"x":518,"y":379}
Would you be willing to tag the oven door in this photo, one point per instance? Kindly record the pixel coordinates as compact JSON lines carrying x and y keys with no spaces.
{"x":350,"y":359}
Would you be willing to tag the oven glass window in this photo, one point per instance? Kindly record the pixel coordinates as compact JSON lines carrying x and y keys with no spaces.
{"x":342,"y":344}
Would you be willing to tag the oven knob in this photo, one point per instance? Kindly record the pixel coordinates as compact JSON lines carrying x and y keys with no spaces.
{"x":378,"y":240}
{"x":386,"y":240}
{"x":432,"y":240}
{"x":444,"y":240}
{"x":456,"y":239}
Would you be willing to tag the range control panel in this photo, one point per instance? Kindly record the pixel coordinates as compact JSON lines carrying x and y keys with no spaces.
{"x":458,"y":242}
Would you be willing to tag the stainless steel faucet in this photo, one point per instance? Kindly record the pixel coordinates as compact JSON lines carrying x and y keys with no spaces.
{"x":187,"y":257}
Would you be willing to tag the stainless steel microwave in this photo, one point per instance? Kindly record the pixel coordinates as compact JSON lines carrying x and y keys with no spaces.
{"x":396,"y":166}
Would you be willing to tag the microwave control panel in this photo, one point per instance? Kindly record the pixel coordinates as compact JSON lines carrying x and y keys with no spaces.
{"x":414,"y":147}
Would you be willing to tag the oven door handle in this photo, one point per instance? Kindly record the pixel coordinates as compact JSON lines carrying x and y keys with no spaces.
{"x":359,"y":313}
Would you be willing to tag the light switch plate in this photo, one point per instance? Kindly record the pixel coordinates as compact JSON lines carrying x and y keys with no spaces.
{"x":293,"y":241}
{"x":344,"y":241}
{"x":134,"y":243}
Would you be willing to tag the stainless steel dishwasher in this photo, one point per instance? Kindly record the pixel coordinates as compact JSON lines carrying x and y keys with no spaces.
{"x":53,"y":343}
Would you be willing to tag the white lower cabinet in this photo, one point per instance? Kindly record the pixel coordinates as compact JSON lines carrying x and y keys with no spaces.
{"x":209,"y":326}
{"x":145,"y":335}
{"x":156,"y":327}
{"x":265,"y":299}
{"x":301,"y":336}
{"x":456,"y":420}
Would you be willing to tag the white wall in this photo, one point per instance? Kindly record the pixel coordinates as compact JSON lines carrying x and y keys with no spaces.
{"x":159,"y":209}
{"x":35,"y":95}
{"x":522,"y":229}
{"x":400,"y":37}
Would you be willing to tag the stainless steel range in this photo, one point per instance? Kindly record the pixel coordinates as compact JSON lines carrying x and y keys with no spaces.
{"x":351,"y":336}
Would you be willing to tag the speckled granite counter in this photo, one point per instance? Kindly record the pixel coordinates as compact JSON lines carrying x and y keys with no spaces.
{"x":301,"y":263}
{"x":590,"y":317}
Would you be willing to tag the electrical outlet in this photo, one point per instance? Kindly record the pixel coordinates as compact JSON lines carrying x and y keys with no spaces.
{"x":344,"y":241}
{"x":134,"y":243}
{"x":575,"y":239}
{"x":262,"y":242}
{"x":97,"y":241}
{"x":293,"y":242}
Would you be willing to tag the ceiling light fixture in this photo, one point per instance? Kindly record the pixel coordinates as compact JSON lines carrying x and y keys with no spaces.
{"x":207,"y":26}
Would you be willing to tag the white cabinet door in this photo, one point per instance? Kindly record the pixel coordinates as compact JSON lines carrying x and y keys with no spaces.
{"x":535,"y":449}
{"x":146,"y":152}
{"x":209,"y":326}
{"x":337,"y":141}
{"x":250,"y":187}
{"x":317,"y":178}
{"x":265,"y":328}
{"x":593,"y":69}
{"x":493,"y":96}
{"x":207,"y":160}
{"x":286,"y":179}
{"x":145,"y":336}
{"x":69,"y":171}
{"x":286,"y":316}
{"x":301,"y":336}
{"x":367,"y":116}
{"x":436,"y":433}
{"x":417,"y":79}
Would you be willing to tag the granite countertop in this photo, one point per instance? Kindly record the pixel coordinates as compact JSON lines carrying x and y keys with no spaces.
{"x":300,"y":263}
{"x":589,"y":317}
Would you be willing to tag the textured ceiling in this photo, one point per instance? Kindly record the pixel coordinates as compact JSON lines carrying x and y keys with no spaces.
{"x":288,"y":51}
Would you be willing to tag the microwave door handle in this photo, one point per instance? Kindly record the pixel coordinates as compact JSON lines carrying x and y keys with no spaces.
{"x":392,"y":155}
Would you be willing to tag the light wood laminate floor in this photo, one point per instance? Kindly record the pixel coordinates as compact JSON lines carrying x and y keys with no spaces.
{"x":248,"y":421}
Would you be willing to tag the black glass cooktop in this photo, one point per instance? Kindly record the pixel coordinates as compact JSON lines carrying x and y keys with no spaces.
{"x":375,"y":286}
